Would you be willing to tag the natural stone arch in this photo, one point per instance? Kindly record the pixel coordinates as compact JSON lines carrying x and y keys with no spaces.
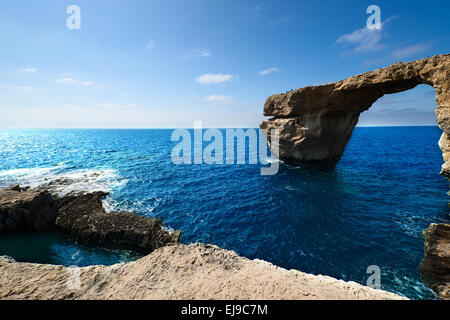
{"x":316,"y":122}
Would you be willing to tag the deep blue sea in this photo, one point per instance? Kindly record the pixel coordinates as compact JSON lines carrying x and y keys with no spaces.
{"x":370,"y":210}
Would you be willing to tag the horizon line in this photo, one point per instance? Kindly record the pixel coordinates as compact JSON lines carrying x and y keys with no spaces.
{"x":206,"y":127}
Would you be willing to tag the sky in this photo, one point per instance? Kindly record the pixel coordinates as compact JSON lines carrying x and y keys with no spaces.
{"x":167,"y":63}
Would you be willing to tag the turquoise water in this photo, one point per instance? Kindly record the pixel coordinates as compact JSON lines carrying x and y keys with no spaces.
{"x":370,"y":210}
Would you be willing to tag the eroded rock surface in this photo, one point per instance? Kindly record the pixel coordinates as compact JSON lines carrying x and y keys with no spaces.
{"x":177,"y":272}
{"x":26,"y":210}
{"x":316,"y":122}
{"x":82,"y":217}
{"x":435,"y":266}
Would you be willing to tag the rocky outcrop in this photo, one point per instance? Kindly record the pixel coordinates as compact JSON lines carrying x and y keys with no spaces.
{"x":435,"y":266}
{"x":26,"y":210}
{"x":315,"y":123}
{"x":176,"y":272}
{"x":82,"y":217}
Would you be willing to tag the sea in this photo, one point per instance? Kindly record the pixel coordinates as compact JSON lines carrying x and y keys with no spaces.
{"x":369,"y":211}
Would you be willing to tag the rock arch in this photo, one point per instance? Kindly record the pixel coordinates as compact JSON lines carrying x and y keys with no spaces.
{"x":316,"y":122}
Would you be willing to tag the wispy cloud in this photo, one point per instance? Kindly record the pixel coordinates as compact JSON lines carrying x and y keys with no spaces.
{"x":267,"y":71}
{"x":70,"y":107}
{"x":26,"y":89}
{"x":257,"y":12}
{"x":390,"y":110}
{"x":197,"y":53}
{"x":211,"y":78}
{"x":72,"y":81}
{"x":26,"y":70}
{"x":283,"y":19}
{"x":151,"y":44}
{"x":410,"y":50}
{"x":115,"y":105}
{"x":392,"y":100}
{"x":106,"y":105}
{"x":69,"y":80}
{"x":220,"y":99}
{"x":365,"y":39}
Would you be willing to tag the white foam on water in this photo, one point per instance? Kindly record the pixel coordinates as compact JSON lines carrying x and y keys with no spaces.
{"x":62,"y":183}
{"x":110,"y":205}
{"x":270,"y":160}
{"x":169,"y":230}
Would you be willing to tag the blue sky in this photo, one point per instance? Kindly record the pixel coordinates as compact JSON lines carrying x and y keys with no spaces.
{"x":140,"y":64}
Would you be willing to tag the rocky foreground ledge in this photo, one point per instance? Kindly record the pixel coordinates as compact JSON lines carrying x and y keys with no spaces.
{"x":179,"y":271}
{"x":170,"y":271}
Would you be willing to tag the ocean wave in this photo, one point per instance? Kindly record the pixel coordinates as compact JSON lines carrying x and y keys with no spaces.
{"x":61,"y":182}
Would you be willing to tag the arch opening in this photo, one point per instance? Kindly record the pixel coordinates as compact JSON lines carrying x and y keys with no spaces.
{"x":413,"y":107}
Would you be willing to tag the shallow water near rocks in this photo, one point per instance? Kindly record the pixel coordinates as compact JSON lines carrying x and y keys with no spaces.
{"x":370,"y":210}
{"x":56,"y":248}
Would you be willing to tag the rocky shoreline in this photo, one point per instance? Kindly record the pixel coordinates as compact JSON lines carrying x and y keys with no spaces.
{"x":82,"y":217}
{"x":169,"y":270}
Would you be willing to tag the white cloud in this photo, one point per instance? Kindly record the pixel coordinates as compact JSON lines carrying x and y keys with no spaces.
{"x":70,"y":107}
{"x":365,"y":39}
{"x":150,"y":45}
{"x":220,"y":99}
{"x":211,"y":78}
{"x":410,"y":50}
{"x":72,"y":81}
{"x":69,"y":80}
{"x":197,"y":53}
{"x":26,"y":89}
{"x":267,"y":71}
{"x":26,"y":70}
{"x":115,"y":105}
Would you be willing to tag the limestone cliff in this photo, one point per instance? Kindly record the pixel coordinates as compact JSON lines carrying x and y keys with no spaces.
{"x":316,"y":122}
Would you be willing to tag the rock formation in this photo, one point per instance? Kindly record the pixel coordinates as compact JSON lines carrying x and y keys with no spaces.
{"x":177,"y":272}
{"x":435,"y":266}
{"x":315,"y":123}
{"x":26,"y":210}
{"x":82,"y":217}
